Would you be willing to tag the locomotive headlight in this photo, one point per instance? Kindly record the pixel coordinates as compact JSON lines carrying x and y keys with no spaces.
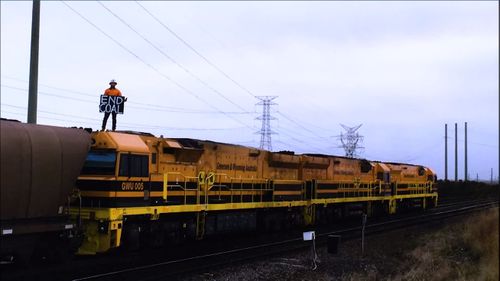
{"x":102,"y":226}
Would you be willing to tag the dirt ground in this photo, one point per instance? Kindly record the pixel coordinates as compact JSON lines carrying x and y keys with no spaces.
{"x":455,"y":250}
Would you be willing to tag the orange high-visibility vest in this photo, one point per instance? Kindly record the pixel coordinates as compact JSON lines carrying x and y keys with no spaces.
{"x":113,"y":92}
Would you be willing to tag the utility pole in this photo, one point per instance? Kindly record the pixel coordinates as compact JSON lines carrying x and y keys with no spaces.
{"x":265,"y":131}
{"x":466,"y":176}
{"x":491,"y":176}
{"x":33,"y":83}
{"x":456,"y":154}
{"x":477,"y":177}
{"x":446,"y":152}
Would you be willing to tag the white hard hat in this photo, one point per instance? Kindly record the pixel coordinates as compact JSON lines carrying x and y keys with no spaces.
{"x":112,"y":81}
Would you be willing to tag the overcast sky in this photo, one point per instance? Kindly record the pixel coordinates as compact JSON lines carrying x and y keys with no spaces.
{"x":193,"y":69}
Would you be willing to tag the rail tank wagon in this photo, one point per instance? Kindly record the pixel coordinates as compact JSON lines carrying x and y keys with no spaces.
{"x":39,"y":167}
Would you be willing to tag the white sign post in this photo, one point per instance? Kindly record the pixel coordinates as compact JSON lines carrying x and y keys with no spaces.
{"x":311,"y":236}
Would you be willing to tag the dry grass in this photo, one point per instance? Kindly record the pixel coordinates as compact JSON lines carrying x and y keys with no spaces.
{"x":461,"y":250}
{"x":467,"y":251}
{"x":481,"y":237}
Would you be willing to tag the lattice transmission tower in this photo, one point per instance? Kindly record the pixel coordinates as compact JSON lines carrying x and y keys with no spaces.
{"x":265,"y":131}
{"x":351,"y":140}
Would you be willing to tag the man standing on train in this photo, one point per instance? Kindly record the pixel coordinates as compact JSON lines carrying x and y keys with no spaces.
{"x":114,"y":92}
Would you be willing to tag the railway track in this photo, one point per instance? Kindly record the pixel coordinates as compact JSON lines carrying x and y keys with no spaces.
{"x":159,"y":265}
{"x":173,"y":268}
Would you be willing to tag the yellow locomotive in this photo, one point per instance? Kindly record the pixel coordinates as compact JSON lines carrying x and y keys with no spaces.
{"x":137,"y":188}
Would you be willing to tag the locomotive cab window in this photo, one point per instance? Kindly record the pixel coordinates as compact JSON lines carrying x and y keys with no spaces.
{"x":134,"y":165}
{"x":99,"y":163}
{"x":365,"y":166}
{"x":384,"y":176}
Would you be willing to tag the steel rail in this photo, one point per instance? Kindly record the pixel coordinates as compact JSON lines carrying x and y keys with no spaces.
{"x":196,"y":263}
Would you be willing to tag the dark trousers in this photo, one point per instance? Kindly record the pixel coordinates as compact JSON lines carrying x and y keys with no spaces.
{"x":105,"y":120}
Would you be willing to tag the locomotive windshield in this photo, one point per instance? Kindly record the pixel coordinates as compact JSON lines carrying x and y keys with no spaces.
{"x":100,"y":163}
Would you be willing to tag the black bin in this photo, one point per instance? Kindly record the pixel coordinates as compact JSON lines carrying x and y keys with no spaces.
{"x":333,"y":242}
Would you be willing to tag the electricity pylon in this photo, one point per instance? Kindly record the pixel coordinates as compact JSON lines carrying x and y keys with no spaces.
{"x":351,"y":140}
{"x":265,"y":131}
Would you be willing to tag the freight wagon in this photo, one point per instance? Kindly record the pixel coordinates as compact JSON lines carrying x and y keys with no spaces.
{"x":39,"y":168}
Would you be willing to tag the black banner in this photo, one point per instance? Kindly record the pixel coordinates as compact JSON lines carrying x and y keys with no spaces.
{"x":111,"y":104}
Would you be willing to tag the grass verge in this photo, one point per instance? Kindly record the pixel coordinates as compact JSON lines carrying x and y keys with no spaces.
{"x":463,"y":251}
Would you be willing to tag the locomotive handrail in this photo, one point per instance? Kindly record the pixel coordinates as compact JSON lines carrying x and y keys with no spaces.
{"x":184,"y":188}
{"x":343,"y":181}
{"x":411,"y":182}
{"x":280,"y":181}
{"x":429,"y":185}
{"x":287,"y":181}
{"x":413,"y":188}
{"x":350,"y":189}
{"x":262,"y":184}
{"x":234,"y":186}
{"x":219,"y":175}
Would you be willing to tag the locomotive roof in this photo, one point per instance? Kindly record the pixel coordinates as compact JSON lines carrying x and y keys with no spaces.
{"x":135,"y":133}
{"x":188,"y":142}
{"x":194,"y":143}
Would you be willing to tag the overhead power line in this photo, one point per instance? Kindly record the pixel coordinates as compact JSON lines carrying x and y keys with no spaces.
{"x":171,"y":31}
{"x":48,"y":94}
{"x":129,"y":102}
{"x":301,"y":126}
{"x":151,"y":66}
{"x":170,"y":58}
{"x":149,"y":107}
{"x":136,"y":125}
{"x":292,"y":136}
{"x":195,"y":51}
